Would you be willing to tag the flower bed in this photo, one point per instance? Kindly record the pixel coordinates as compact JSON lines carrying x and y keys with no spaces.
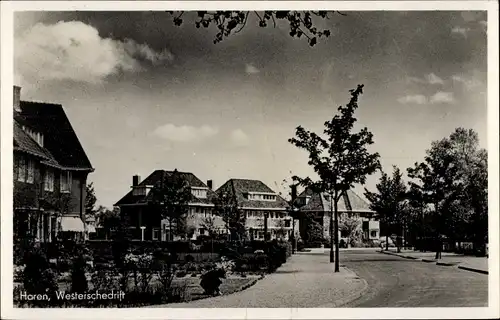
{"x":150,"y":277}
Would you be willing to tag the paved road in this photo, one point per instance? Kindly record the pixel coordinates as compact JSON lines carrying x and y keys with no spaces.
{"x":398,"y":282}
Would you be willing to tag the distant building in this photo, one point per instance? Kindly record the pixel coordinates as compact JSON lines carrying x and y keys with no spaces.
{"x":258,"y":201}
{"x":50,"y":173}
{"x":349,"y":205}
{"x":253,"y":197}
{"x":138,"y":208}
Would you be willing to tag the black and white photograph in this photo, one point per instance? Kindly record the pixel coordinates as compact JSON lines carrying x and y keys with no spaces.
{"x":174,"y":158}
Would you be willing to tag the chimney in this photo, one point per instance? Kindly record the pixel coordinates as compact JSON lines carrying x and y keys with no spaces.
{"x":136,"y":180}
{"x":210,"y":184}
{"x":294,"y":192}
{"x":17,"y":99}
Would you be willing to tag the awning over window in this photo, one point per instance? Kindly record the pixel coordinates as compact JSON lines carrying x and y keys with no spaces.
{"x":73,"y":224}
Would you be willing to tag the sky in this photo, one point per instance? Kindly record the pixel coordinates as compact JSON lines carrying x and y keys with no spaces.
{"x":143,"y":94}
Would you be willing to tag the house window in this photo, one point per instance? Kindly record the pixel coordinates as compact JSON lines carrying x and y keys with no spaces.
{"x":37,"y":136}
{"x":199,"y":193}
{"x":30,"y":178}
{"x":373,"y":234}
{"x":49,"y":180}
{"x":288,"y":223}
{"x":66,"y":179}
{"x":139,"y":191}
{"x":260,"y":235}
{"x":156,"y":234}
{"x":21,"y":169}
{"x":202,"y":231}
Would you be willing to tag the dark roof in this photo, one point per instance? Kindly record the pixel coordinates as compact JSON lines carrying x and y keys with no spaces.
{"x":349,"y":201}
{"x":60,"y":140}
{"x":23,"y":142}
{"x":240,"y":187}
{"x":156,"y":177}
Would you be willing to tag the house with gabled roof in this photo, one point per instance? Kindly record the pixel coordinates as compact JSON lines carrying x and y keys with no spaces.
{"x":50,"y":172}
{"x":350,"y":204}
{"x":146,"y":223}
{"x":259,"y":202}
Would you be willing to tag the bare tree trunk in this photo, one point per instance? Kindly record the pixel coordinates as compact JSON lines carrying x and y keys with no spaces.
{"x":337,"y":253}
{"x":439,"y":245}
{"x":332,"y":259}
{"x":399,"y":238}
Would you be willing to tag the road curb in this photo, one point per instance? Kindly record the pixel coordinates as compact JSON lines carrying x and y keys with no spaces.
{"x":350,"y":298}
{"x":429,"y":260}
{"x":447,"y":264}
{"x":410,"y":257}
{"x":473,"y":269}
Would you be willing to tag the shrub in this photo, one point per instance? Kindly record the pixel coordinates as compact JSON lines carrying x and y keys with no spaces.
{"x":37,"y":277}
{"x":178,"y":294}
{"x":181,"y":274}
{"x":78,"y":278}
{"x":189,"y":258}
{"x":211,"y":281}
{"x":105,"y":280}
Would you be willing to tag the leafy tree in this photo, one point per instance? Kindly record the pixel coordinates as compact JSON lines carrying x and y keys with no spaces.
{"x":109,"y":220}
{"x":226,"y":207}
{"x":313,"y":232}
{"x":300,"y":23}
{"x":341,"y":160}
{"x":418,"y":215}
{"x":209,"y":224}
{"x":351,"y":227}
{"x":281,"y":230}
{"x":170,"y":196}
{"x":439,"y":182}
{"x":472,"y":206}
{"x":90,"y":201}
{"x":390,"y":202}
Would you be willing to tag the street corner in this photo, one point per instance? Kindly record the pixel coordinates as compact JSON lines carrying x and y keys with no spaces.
{"x":359,"y":287}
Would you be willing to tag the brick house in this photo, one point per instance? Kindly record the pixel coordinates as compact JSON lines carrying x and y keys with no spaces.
{"x":137,"y":207}
{"x":258,"y":201}
{"x":350,"y":204}
{"x":50,"y":172}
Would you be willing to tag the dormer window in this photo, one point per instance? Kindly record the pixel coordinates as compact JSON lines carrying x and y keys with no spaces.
{"x":199,"y":192}
{"x":141,"y":190}
{"x":37,"y":136}
{"x":304,"y":200}
{"x":261,"y":196}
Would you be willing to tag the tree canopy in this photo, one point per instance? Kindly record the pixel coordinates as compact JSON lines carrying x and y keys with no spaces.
{"x":340,"y":159}
{"x":171,"y":196}
{"x":453,"y":181}
{"x":300,"y":23}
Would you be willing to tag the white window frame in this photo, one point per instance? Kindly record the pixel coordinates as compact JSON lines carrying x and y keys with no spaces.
{"x":21,"y":169}
{"x":69,"y":181}
{"x":48,"y":184}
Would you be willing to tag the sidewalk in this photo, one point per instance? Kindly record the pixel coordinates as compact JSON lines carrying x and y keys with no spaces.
{"x":469,"y":263}
{"x":305,"y":281}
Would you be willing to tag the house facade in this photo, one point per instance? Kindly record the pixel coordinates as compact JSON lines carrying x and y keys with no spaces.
{"x":145,"y":221}
{"x":253,"y":198}
{"x":349,"y":205}
{"x":50,"y":173}
{"x":258,"y":202}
